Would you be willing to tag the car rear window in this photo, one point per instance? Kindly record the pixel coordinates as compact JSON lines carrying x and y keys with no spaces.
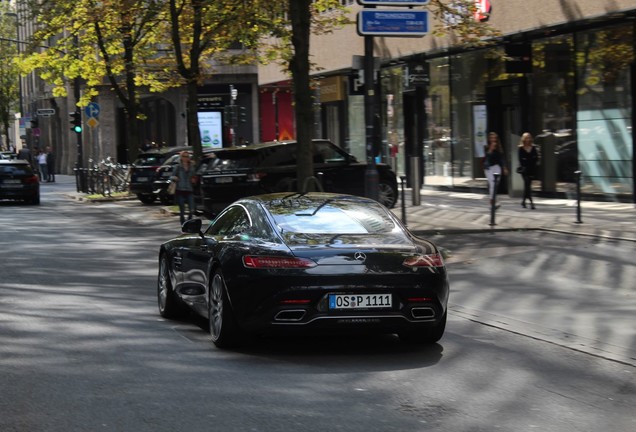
{"x":150,"y":160}
{"x":16,"y":170}
{"x":234,"y":159}
{"x":335,"y":223}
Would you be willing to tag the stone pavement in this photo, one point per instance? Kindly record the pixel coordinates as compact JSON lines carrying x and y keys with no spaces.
{"x":447,"y":211}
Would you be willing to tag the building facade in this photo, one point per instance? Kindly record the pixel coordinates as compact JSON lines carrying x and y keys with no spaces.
{"x":563,"y":70}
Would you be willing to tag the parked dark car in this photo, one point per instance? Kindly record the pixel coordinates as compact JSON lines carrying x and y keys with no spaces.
{"x":18,"y":181}
{"x":143,"y":172}
{"x":320,"y":262}
{"x":238,"y":172}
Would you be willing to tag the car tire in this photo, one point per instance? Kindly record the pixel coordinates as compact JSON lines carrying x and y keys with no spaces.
{"x":425,"y":337}
{"x":170,"y":305}
{"x":223,"y":328}
{"x":35,"y":200}
{"x":146,"y":198}
{"x":387,"y":194}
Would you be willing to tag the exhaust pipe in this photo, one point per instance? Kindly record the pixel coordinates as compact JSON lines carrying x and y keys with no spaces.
{"x":290,"y":315}
{"x":423,"y":313}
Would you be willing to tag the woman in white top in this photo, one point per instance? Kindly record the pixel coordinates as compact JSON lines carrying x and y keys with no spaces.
{"x":44,"y":170}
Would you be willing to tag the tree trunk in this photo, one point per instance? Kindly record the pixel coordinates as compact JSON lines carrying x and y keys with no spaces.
{"x":194,"y":135}
{"x":300,"y":16}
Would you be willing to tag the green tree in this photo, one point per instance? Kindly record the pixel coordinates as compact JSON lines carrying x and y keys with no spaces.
{"x":9,"y":71}
{"x":113,"y":42}
{"x":454,"y":18}
{"x":205,"y":30}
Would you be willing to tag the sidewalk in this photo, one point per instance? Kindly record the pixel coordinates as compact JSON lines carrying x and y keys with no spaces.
{"x":457,"y":212}
{"x":447,"y":211}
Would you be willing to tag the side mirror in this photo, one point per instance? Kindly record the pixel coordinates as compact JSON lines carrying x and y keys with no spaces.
{"x":192,"y":226}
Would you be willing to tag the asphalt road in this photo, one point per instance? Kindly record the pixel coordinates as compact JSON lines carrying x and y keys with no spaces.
{"x":82,"y":347}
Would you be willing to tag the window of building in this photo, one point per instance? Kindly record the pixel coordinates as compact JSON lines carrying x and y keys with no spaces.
{"x":604,"y":130}
{"x":437,"y":146}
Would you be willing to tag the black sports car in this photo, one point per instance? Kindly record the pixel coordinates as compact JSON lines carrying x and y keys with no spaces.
{"x":316,"y":261}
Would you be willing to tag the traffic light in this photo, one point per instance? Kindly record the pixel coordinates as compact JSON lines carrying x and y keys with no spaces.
{"x":242,"y":114}
{"x":76,"y":121}
{"x":35,"y":123}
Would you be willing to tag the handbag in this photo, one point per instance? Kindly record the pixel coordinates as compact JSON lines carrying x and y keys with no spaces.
{"x":521,"y":170}
{"x":172,"y":188}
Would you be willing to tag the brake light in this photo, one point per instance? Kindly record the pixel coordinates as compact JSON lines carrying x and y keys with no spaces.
{"x":419,"y":299}
{"x":295,"y":301}
{"x":31,"y":180}
{"x":255,"y":177}
{"x":274,"y":262}
{"x":432,"y":260}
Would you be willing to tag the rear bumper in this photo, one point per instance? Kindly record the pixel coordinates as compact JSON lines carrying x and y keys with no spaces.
{"x":28,"y":192}
{"x":141,"y":188}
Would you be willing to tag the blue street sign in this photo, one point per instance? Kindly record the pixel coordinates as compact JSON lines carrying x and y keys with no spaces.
{"x":92,"y":110}
{"x":404,"y":23}
{"x":393,"y":2}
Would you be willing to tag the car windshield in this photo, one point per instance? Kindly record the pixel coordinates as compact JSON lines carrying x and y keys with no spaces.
{"x":335,"y":222}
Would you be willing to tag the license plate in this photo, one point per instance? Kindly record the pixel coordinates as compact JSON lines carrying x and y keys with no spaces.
{"x":359,"y":301}
{"x":142,"y":179}
{"x":223,"y":180}
{"x":12,"y":181}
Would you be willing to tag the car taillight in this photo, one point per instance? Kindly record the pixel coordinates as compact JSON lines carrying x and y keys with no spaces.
{"x":31,"y":180}
{"x":274,"y":262}
{"x":254,"y":177}
{"x":432,"y":260}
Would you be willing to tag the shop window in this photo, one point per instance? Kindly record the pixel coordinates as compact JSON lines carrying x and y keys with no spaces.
{"x":604,"y":130}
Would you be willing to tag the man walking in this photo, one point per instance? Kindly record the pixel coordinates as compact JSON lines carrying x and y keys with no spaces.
{"x":50,"y":164}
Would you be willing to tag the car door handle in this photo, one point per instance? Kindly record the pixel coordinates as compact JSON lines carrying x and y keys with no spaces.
{"x":204,"y":248}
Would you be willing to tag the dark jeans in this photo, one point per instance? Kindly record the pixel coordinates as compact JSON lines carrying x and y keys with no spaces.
{"x":527,"y":188}
{"x":182,"y":198}
{"x":44,"y":172}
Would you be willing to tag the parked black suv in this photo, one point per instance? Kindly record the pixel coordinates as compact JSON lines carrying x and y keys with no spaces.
{"x":233,"y":173}
{"x":143,"y":172}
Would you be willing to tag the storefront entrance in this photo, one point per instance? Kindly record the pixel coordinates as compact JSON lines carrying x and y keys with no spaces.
{"x":507,"y":116}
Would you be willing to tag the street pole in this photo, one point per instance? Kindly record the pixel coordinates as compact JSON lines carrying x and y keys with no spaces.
{"x":80,"y":153}
{"x":371,"y":174}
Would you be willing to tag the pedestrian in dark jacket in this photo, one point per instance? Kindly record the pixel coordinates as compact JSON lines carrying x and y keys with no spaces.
{"x":50,"y":164}
{"x":528,"y":160}
{"x":494,"y":162}
{"x":184,"y":175}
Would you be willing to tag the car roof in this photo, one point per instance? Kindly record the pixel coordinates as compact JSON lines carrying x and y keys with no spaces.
{"x":318,"y":197}
{"x":263,"y":145}
{"x":165,"y":150}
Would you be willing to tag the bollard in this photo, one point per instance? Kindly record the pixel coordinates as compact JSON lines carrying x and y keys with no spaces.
{"x":415,"y":180}
{"x":403,"y":178}
{"x":577,"y":174}
{"x":493,"y":205}
{"x":77,"y":179}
